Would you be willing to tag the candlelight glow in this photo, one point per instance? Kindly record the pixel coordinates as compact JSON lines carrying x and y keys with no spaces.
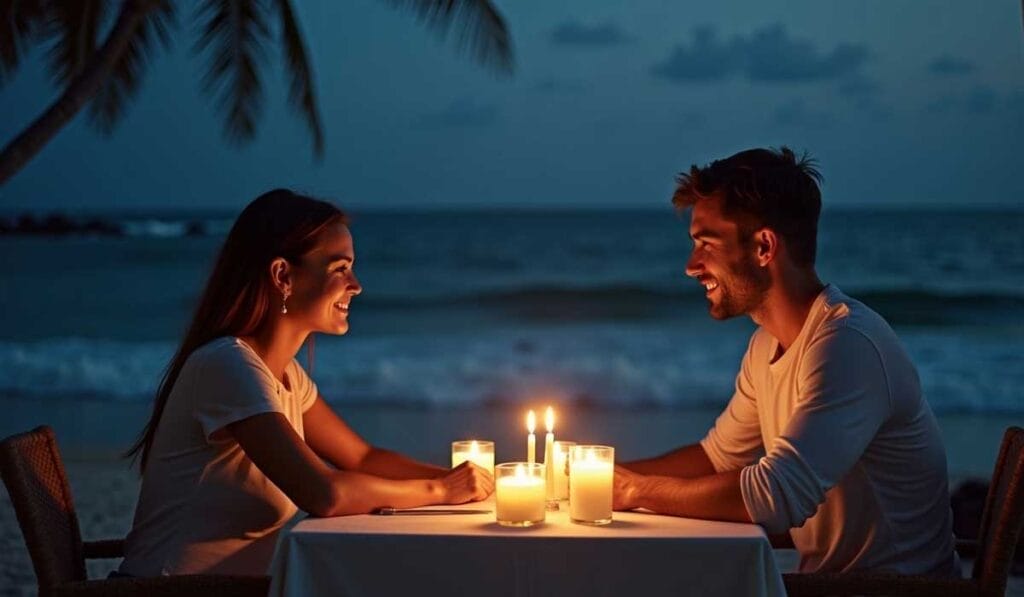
{"x":474,"y":448}
{"x":531,"y":421}
{"x":549,"y":420}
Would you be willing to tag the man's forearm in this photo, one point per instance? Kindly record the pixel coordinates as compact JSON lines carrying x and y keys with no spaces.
{"x":711,"y":497}
{"x":686,"y":462}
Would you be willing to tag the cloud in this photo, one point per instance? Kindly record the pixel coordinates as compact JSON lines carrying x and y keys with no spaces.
{"x":577,"y":34}
{"x":768,"y":55}
{"x":706,"y":59}
{"x":947,"y":65}
{"x":775,"y":57}
{"x":461,"y":113}
{"x":798,"y":114}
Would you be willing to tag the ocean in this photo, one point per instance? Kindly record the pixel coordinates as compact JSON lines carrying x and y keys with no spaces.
{"x":469,"y":308}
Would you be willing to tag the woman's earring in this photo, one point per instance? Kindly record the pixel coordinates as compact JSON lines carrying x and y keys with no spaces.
{"x":284,"y":303}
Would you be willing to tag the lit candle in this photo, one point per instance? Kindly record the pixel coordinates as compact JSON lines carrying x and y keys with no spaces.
{"x":480,"y":453}
{"x":561,"y":473}
{"x":531,"y":439}
{"x":590,"y":484}
{"x":519,"y":494}
{"x":549,"y":456}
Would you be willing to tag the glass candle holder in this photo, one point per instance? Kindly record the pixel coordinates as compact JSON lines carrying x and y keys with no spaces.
{"x":561,"y":474}
{"x":480,"y":453}
{"x":519,"y":493}
{"x":590,"y":484}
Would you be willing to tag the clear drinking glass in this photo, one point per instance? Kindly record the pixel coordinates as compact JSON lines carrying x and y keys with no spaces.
{"x":561,"y":474}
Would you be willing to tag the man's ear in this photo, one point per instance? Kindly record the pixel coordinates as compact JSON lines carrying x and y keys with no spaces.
{"x":280,"y":275}
{"x":767,"y":244}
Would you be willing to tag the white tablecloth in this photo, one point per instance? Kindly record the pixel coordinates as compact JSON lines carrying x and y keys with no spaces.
{"x":638,"y":554}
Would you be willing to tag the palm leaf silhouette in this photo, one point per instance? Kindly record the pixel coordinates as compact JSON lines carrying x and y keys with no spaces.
{"x":233,"y":36}
{"x":481,"y":28}
{"x":74,"y":27}
{"x":21,"y":24}
{"x":301,"y":93}
{"x":110,"y":104}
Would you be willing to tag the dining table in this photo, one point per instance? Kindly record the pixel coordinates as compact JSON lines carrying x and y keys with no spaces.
{"x":462,"y":550}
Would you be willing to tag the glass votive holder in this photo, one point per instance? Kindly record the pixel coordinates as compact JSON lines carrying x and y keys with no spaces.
{"x":519,"y":493}
{"x":561,"y":470}
{"x":590,"y":484}
{"x":480,"y":453}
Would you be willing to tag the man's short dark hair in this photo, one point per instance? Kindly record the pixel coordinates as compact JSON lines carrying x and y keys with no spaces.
{"x":762,"y":188}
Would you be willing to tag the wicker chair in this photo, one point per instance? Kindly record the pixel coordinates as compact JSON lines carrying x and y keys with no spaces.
{"x":1001,"y":525}
{"x":32,"y":470}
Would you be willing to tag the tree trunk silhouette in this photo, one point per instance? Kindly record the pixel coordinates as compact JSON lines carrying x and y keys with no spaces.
{"x":79,"y":91}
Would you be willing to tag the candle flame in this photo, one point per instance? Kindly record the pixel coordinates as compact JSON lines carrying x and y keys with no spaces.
{"x":474,"y":448}
{"x":520,"y":469}
{"x":531,"y":421}
{"x":549,"y":420}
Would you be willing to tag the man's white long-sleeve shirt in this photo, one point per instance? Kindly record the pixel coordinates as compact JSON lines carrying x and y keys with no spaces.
{"x":837,"y":446}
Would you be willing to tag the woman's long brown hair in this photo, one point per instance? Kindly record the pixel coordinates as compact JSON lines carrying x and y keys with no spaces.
{"x":239,"y":293}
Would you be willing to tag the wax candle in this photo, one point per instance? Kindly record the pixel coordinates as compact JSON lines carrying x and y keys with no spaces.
{"x":549,"y":456}
{"x":561,"y":472}
{"x":590,"y":484}
{"x":480,"y":453}
{"x":531,"y":439}
{"x":519,"y":493}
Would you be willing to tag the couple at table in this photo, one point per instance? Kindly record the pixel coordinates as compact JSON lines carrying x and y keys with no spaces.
{"x":826,"y":437}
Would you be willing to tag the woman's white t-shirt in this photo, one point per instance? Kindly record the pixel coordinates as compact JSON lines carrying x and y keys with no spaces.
{"x":204,"y":507}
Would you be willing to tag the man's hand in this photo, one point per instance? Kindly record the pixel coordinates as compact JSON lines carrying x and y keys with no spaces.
{"x":627,"y":489}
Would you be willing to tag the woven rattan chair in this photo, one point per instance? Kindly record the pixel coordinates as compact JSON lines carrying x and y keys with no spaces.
{"x":32,"y":470}
{"x":1001,"y":525}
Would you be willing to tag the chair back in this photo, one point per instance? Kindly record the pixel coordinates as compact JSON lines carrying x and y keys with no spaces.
{"x":32,"y":470}
{"x":1003,"y":516}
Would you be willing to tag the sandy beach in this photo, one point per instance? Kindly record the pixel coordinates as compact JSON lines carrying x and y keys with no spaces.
{"x":105,"y":488}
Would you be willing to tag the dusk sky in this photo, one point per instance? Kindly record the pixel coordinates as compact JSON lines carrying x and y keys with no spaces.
{"x":903,"y":103}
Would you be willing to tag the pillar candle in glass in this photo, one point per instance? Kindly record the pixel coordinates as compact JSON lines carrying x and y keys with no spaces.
{"x":561,"y":469}
{"x":480,"y":453}
{"x":519,"y":493}
{"x":590,"y":484}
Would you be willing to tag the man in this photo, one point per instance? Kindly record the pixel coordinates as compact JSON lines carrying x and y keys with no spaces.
{"x":827,"y":436}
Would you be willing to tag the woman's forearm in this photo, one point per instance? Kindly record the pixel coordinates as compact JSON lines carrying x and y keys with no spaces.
{"x":361,"y":493}
{"x":392,"y":465}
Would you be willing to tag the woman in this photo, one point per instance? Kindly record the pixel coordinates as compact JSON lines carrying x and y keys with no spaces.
{"x":239,"y":435}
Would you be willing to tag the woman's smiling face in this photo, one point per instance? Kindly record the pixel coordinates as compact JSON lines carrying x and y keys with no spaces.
{"x":323,"y":283}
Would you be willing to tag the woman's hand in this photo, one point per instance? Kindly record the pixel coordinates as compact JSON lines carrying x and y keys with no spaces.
{"x":466,"y":483}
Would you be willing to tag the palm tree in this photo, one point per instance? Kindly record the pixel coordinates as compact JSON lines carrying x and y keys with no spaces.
{"x":232,"y":35}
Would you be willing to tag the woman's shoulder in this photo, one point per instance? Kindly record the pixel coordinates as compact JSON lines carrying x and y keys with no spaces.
{"x":226,"y":351}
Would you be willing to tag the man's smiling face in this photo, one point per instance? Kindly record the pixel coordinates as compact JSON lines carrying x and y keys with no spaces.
{"x":723,"y":260}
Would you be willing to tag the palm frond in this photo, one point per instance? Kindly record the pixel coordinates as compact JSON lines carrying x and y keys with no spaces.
{"x":481,"y":28}
{"x":21,"y":24}
{"x":233,"y":36}
{"x":111,"y":102}
{"x":74,"y":25}
{"x":301,"y":93}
